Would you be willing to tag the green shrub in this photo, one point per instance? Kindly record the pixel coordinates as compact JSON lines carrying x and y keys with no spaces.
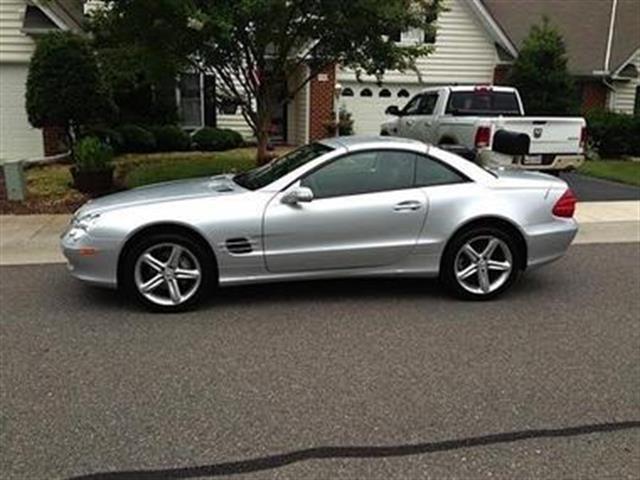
{"x":215,"y":139}
{"x":614,"y":134}
{"x":235,"y":139}
{"x":171,"y":138}
{"x":108,"y":136}
{"x":65,"y":86}
{"x":137,"y":139}
{"x":91,"y":155}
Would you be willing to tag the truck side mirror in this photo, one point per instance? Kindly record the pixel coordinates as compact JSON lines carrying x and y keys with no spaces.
{"x":392,"y":110}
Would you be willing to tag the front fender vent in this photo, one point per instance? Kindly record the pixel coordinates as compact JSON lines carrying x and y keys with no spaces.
{"x":239,"y":246}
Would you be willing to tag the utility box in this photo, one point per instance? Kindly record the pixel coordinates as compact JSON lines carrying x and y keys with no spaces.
{"x":14,"y":180}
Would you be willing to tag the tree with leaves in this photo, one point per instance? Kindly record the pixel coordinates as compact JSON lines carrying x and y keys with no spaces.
{"x":541,"y":75}
{"x":263,"y":52}
{"x":64,"y":85}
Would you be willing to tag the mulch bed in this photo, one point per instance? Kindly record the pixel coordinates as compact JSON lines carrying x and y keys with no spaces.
{"x":41,"y":205}
{"x":35,"y":204}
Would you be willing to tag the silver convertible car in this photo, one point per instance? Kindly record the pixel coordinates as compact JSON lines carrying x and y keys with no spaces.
{"x":343,"y":207}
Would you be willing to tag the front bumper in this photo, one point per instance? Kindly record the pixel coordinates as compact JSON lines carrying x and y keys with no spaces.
{"x":89,"y":259}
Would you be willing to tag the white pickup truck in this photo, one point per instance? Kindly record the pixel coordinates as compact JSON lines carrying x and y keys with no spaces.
{"x":467,"y":119}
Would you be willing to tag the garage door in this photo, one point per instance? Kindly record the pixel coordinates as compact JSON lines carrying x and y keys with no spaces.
{"x":367,"y":103}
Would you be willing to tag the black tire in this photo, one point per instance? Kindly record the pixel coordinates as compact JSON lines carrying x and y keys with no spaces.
{"x":208,"y":272}
{"x":447,"y":265}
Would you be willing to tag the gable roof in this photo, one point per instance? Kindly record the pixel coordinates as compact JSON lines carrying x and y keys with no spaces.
{"x":626,"y":33}
{"x":41,"y":16}
{"x":584,"y":25}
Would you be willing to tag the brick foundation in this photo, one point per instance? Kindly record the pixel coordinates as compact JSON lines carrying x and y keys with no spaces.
{"x":55,"y":141}
{"x":593,"y":95}
{"x":501,"y":74}
{"x":321,"y":100}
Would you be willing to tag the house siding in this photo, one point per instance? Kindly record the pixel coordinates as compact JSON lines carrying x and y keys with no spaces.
{"x":623,"y":98}
{"x":298,"y":113}
{"x":15,"y":46}
{"x":234,"y":122}
{"x":18,"y":140}
{"x":464,"y":53}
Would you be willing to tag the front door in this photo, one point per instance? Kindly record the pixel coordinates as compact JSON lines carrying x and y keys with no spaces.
{"x":409,"y":117}
{"x":365,"y":213}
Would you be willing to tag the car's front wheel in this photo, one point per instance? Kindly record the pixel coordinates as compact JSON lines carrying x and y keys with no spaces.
{"x":481,"y":263}
{"x":167,"y":272}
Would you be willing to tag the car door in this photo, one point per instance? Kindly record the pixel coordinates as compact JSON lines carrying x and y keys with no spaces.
{"x":409,"y":117}
{"x":423,"y":121}
{"x":365,"y":213}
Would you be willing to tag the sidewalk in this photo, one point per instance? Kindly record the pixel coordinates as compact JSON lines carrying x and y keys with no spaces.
{"x":27,"y":239}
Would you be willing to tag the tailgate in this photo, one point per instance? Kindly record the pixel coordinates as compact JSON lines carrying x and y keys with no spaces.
{"x":548,"y":134}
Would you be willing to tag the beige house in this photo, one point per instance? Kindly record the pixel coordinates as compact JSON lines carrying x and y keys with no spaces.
{"x":476,"y":42}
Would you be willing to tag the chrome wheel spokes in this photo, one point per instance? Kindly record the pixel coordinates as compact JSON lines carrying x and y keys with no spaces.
{"x":483,"y":264}
{"x":167,"y":274}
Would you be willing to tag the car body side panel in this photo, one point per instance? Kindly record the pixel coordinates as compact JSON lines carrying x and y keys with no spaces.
{"x":366,"y":230}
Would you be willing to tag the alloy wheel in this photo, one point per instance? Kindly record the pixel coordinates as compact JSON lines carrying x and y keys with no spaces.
{"x":167,"y":274}
{"x":483,"y":264}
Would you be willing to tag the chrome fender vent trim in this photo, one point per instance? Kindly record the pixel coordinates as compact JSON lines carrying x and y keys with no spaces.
{"x":239,"y":246}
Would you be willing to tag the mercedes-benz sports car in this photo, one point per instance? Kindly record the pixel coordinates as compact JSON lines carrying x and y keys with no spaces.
{"x":343,"y":207}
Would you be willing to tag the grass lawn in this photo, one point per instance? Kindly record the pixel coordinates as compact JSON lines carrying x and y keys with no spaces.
{"x":624,"y":171}
{"x":137,"y":170}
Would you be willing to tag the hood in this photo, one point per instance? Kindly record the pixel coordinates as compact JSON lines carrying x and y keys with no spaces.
{"x":165,"y":192}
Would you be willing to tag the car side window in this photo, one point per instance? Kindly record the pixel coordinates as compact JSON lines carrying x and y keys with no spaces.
{"x":430,"y":172}
{"x":363,"y":172}
{"x":428,"y":104}
{"x":413,"y":106}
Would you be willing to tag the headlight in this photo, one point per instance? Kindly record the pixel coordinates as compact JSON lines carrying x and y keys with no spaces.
{"x":84,"y":222}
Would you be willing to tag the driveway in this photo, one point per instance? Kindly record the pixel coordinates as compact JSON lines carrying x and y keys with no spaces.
{"x":343,"y":379}
{"x":590,"y":189}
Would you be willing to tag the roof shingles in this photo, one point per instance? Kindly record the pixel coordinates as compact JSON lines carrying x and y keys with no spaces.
{"x":584,"y":25}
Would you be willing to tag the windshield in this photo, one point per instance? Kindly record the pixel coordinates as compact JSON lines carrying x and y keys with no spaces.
{"x":483,"y":102}
{"x":279,"y":167}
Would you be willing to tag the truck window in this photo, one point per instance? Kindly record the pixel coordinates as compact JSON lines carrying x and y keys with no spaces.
{"x":413,"y":106}
{"x":428,"y":104}
{"x":483,"y":103}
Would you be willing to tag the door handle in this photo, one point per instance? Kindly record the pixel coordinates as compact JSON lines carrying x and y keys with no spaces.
{"x":409,"y":123}
{"x":407,"y":205}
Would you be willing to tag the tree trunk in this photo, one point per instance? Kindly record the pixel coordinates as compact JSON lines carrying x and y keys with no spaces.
{"x":262,"y":155}
{"x":263,"y":100}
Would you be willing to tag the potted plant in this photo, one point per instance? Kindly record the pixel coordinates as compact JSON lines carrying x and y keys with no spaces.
{"x":92,"y":171}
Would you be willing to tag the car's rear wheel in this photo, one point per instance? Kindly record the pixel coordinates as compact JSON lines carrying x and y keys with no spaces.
{"x":167,"y":272}
{"x":481,"y":263}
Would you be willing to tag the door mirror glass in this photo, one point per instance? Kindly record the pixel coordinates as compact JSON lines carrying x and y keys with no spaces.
{"x":298,"y":195}
{"x":392,"y":110}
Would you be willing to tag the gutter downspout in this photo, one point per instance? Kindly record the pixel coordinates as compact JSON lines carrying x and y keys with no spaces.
{"x":607,"y":55}
{"x":612,"y":23}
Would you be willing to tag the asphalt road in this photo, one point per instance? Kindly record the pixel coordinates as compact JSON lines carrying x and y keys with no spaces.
{"x":590,"y":189}
{"x":341,"y":380}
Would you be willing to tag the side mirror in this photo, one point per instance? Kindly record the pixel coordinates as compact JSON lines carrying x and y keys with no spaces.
{"x":298,"y":195}
{"x":392,"y":110}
